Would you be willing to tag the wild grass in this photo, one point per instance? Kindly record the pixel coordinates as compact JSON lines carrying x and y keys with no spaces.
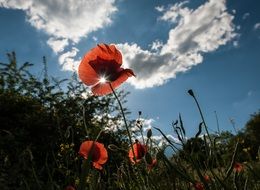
{"x":43,"y":126}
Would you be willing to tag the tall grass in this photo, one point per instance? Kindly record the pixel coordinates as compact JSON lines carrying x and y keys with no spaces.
{"x":43,"y":126}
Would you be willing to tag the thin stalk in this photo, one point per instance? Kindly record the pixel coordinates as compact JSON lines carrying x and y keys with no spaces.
{"x":217,"y":122}
{"x":36,"y":178}
{"x":202,"y":117}
{"x":122,"y":111}
{"x":84,"y":120}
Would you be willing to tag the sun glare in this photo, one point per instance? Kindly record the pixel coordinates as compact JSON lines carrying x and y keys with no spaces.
{"x":102,"y":80}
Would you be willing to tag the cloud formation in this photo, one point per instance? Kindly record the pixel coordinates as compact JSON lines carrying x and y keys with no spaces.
{"x":194,"y":33}
{"x":65,"y":22}
{"x":257,"y":26}
{"x":144,"y":125}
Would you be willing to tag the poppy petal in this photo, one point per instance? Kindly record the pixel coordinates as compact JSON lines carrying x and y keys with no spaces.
{"x":104,"y":88}
{"x":85,"y":148}
{"x":108,"y":52}
{"x":86,"y":73}
{"x":139,"y":152}
{"x":97,"y":166}
{"x":123,"y":76}
{"x":103,"y":153}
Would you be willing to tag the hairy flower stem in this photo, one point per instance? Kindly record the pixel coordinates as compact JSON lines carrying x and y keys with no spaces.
{"x":122,"y":111}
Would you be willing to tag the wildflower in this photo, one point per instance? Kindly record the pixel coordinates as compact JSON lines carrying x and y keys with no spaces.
{"x":100,"y":67}
{"x":199,"y":186}
{"x":139,"y":152}
{"x":96,"y":151}
{"x":206,"y":178}
{"x":150,"y":166}
{"x":238,"y":167}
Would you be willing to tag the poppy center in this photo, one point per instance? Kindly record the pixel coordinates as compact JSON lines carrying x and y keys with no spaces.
{"x":108,"y":70}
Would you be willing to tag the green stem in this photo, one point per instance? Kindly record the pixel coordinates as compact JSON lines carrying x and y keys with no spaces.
{"x":84,"y":120}
{"x":203,"y":120}
{"x":122,"y":111}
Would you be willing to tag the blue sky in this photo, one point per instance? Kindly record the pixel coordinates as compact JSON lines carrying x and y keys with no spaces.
{"x":212,"y":47}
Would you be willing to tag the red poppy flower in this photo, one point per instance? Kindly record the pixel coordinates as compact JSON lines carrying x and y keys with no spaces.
{"x":207,"y":178}
{"x":101,"y":66}
{"x":199,"y":186}
{"x":139,"y":152}
{"x":150,"y":166}
{"x":98,"y":153}
{"x":238,"y":167}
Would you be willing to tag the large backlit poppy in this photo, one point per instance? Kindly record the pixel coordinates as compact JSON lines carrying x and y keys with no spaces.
{"x":139,"y":152}
{"x":101,"y":66}
{"x":96,"y":151}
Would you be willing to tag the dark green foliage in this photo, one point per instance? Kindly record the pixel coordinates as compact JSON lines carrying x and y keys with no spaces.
{"x":44,"y":121}
{"x":42,"y":127}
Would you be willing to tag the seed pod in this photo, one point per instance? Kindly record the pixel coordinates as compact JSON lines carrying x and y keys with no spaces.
{"x":149,"y":133}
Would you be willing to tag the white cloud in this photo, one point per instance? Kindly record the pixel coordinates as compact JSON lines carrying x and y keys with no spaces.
{"x":68,"y":61}
{"x":245,"y":16}
{"x":57,"y":45}
{"x":95,"y":38}
{"x":195,"y":32}
{"x":160,"y":141}
{"x":156,"y":45}
{"x":159,"y":8}
{"x":66,"y":22}
{"x":175,"y":12}
{"x":235,"y":44}
{"x":144,"y":123}
{"x":257,"y":26}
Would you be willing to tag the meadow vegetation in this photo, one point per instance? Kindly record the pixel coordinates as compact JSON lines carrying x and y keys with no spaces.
{"x":44,"y":122}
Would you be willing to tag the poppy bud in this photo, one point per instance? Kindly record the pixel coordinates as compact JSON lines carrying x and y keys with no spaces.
{"x":139,"y":124}
{"x":191,"y":92}
{"x":149,"y":133}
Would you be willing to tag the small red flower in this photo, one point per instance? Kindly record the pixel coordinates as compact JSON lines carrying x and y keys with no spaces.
{"x":238,"y":167}
{"x":98,"y":153}
{"x":150,"y":166}
{"x":139,"y":152}
{"x":199,"y":186}
{"x":207,"y":178}
{"x":101,"y":66}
